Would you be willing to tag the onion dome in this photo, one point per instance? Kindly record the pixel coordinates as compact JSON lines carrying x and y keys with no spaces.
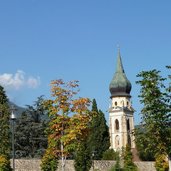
{"x":120,"y":85}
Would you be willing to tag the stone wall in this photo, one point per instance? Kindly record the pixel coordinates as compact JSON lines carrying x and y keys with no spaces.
{"x":27,"y":165}
{"x":99,"y":165}
{"x":145,"y":166}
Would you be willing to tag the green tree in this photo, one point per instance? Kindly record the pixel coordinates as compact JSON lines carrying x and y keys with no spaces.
{"x":156,"y":112}
{"x":99,"y":140}
{"x":141,"y":144}
{"x":5,"y":145}
{"x":128,"y":163}
{"x":82,"y":158}
{"x":117,"y":166}
{"x":4,"y":124}
{"x":31,"y":140}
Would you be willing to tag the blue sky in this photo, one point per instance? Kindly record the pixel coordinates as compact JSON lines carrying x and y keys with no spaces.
{"x":42,"y":40}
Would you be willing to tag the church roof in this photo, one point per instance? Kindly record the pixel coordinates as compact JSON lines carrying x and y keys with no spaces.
{"x":120,"y":85}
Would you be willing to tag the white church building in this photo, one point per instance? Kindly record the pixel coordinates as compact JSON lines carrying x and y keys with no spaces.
{"x":121,"y":112}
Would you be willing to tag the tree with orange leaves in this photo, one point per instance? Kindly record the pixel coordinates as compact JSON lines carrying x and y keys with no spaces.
{"x":69,"y":120}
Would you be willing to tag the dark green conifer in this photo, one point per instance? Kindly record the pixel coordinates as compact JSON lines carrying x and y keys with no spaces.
{"x":99,"y":136}
{"x":31,"y":140}
{"x":82,"y":158}
{"x":128,"y":162}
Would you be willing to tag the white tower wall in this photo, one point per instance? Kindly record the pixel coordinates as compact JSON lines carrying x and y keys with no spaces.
{"x":121,"y":123}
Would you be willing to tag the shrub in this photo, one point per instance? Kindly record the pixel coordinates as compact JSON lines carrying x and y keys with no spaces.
{"x":161,"y":163}
{"x":49,"y":161}
{"x":110,"y":154}
{"x":114,"y":168}
{"x":4,"y":163}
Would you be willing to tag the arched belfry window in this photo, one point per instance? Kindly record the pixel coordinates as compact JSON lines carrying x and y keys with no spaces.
{"x":116,"y":125}
{"x":128,"y":124}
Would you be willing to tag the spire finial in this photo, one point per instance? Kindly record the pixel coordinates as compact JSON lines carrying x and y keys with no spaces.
{"x":118,"y":48}
{"x":119,"y":66}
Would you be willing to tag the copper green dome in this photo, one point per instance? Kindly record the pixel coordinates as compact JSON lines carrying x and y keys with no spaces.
{"x":120,"y":85}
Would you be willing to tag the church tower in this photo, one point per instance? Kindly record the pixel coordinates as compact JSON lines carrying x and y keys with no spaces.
{"x":121,"y":121}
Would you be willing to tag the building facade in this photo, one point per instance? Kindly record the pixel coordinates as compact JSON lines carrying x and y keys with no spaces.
{"x":121,"y":118}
